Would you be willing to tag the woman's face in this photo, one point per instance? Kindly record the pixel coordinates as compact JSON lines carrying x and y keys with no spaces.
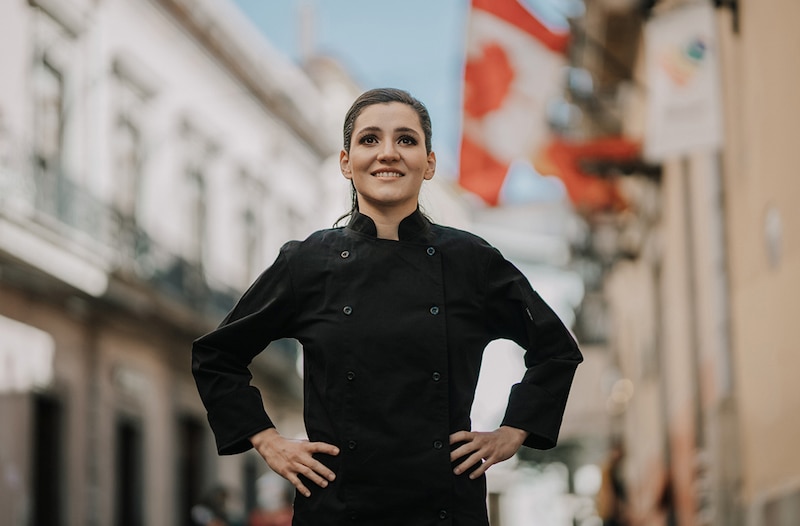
{"x":387,"y":161}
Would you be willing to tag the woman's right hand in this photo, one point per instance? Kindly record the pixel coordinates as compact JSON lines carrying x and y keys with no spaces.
{"x":290,"y":458}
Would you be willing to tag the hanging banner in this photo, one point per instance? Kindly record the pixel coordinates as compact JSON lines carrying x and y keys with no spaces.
{"x":513,"y":68}
{"x":684,"y":110}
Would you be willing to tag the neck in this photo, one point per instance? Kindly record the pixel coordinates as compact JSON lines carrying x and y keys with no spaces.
{"x":387,"y":221}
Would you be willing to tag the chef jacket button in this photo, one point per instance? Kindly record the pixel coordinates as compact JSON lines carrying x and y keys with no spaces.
{"x":431,"y":251}
{"x":434,"y":310}
{"x":351,"y":375}
{"x":348,"y":310}
{"x":352,"y":444}
{"x":436,"y":376}
{"x":442,"y":514}
{"x":437,"y":444}
{"x":345,"y":254}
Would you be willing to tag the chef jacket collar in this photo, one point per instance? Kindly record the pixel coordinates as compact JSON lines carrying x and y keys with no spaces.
{"x":413,"y":227}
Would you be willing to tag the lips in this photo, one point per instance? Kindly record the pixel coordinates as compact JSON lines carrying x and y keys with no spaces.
{"x":387,"y":174}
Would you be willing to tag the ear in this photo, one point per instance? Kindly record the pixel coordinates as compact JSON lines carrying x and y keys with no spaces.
{"x":431,"y":169}
{"x":344,"y":165}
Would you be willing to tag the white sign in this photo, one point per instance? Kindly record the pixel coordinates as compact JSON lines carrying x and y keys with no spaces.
{"x":684,"y":112}
{"x":26,"y":356}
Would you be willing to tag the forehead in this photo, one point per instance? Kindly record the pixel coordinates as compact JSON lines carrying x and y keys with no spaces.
{"x":388,"y":115}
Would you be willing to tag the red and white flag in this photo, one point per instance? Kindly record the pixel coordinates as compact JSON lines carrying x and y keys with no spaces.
{"x":514,"y":66}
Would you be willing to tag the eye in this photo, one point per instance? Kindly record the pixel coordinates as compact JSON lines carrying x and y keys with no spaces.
{"x":368,"y":139}
{"x":407,"y":140}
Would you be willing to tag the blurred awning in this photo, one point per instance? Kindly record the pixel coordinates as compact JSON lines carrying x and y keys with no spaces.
{"x":571,"y":162}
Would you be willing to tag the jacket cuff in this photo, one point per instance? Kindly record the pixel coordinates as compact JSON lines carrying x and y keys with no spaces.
{"x":236,"y":417}
{"x":534,"y":410}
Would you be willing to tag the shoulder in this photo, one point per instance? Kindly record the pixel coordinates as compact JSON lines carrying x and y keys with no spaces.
{"x":319,"y":240}
{"x":457,"y":239}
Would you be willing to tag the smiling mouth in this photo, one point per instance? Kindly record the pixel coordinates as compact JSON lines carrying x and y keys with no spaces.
{"x":387,"y":174}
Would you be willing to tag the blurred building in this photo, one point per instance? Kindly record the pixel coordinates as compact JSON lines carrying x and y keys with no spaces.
{"x":154,"y":155}
{"x":700,"y":273}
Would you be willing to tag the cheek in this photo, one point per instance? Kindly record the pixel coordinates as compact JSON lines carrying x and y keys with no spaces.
{"x":359,"y":163}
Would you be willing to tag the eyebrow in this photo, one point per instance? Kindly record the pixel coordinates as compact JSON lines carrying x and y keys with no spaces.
{"x":402,"y":129}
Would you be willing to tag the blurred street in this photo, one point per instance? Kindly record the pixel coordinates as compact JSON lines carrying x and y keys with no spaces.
{"x":633,"y":158}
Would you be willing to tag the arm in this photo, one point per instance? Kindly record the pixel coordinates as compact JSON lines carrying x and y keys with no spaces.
{"x":517,"y":312}
{"x":536,"y":404}
{"x":221,"y":358}
{"x":220,"y":364}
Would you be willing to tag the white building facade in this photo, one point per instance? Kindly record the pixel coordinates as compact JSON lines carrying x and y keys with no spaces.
{"x":154,"y":155}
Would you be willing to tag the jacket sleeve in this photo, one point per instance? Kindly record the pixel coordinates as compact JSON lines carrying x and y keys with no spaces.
{"x":221,"y":358}
{"x":517,"y":312}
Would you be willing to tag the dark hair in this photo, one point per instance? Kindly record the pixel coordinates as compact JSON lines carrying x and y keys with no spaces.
{"x":381,"y":96}
{"x":385,"y":96}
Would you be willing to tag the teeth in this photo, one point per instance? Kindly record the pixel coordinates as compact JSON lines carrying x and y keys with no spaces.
{"x":388,"y":174}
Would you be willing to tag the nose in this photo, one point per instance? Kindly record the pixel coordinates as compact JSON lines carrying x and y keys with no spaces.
{"x":387,"y":152}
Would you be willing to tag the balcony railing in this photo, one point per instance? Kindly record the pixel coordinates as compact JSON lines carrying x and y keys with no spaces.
{"x":56,"y":202}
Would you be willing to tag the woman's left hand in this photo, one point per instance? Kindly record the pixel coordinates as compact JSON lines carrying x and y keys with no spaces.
{"x":489,"y":447}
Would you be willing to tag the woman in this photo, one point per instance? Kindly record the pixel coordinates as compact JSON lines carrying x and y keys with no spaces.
{"x":393,"y":313}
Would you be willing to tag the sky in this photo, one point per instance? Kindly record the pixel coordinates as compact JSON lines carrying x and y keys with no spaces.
{"x":416,"y":45}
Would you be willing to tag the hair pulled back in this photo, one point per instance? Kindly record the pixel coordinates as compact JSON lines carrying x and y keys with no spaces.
{"x":385,"y":96}
{"x":381,"y":96}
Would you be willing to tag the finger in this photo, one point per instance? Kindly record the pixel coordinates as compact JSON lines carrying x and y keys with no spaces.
{"x":460,"y":436}
{"x":468,"y":463}
{"x":313,"y":476}
{"x":323,"y":447}
{"x":463,"y":450}
{"x":295,"y":480}
{"x":481,"y":469}
{"x":322,"y":469}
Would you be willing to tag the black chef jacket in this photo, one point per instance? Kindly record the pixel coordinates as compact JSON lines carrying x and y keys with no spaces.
{"x":393,"y":333}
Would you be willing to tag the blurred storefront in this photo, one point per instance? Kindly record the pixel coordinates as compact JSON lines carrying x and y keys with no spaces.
{"x":700,"y":268}
{"x":154,"y":155}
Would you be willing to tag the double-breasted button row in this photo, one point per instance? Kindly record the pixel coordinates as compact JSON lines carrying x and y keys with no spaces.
{"x":351,"y":375}
{"x":348,"y":310}
{"x":346,"y":253}
{"x":442,"y":515}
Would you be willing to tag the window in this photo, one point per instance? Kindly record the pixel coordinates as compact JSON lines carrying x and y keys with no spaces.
{"x":127,"y":166}
{"x":196,"y":193}
{"x":133,"y":87}
{"x":191,"y":467}
{"x":250,"y":482}
{"x":48,"y":131}
{"x":129,"y":459}
{"x":252,"y":221}
{"x":199,"y":153}
{"x":48,"y":462}
{"x":127,"y":170}
{"x":54,"y":37}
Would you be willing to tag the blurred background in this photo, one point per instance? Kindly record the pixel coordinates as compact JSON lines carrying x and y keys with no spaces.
{"x":634,"y":158}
